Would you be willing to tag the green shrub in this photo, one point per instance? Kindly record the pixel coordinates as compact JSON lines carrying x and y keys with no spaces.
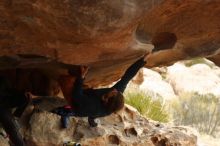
{"x":148,"y":107}
{"x":199,"y":111}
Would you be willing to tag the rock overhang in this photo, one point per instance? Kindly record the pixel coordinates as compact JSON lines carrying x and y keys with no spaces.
{"x":107,"y":35}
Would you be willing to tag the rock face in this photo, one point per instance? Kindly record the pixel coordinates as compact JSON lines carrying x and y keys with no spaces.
{"x":106,"y":35}
{"x":95,"y":33}
{"x":127,"y":128}
{"x":198,"y":78}
{"x":3,"y":141}
{"x":194,"y":23}
{"x":152,"y":83}
{"x":178,"y":79}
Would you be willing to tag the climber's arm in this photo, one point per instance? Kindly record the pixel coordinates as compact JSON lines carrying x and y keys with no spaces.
{"x":129,"y":74}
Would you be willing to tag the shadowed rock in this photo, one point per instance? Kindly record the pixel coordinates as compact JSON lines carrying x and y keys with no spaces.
{"x":106,"y":35}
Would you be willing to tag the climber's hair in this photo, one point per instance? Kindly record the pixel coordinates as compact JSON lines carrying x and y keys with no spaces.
{"x":114,"y":103}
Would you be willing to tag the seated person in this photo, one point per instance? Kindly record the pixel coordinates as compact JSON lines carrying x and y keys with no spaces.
{"x":94,"y":103}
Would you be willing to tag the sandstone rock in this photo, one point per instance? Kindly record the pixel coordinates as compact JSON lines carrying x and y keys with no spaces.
{"x":197,"y":78}
{"x":195,"y":24}
{"x":99,"y":34}
{"x":4,"y":141}
{"x":178,"y":79}
{"x":153,"y":84}
{"x":126,"y":128}
{"x":106,"y":35}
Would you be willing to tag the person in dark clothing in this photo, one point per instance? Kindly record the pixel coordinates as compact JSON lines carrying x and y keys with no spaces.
{"x":9,"y":99}
{"x":94,"y":103}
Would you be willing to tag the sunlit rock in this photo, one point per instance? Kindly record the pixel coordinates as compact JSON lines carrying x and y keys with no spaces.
{"x":153,"y":84}
{"x":199,"y":78}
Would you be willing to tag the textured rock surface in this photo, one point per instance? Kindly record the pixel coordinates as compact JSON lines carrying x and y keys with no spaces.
{"x":106,"y":35}
{"x":180,"y":78}
{"x":3,"y":141}
{"x":124,"y":128}
{"x":153,"y":83}
{"x":198,"y":78}
{"x":194,"y":22}
{"x":95,"y":33}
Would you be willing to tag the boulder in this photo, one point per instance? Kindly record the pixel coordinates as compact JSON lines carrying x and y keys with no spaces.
{"x":199,"y":78}
{"x":106,"y":35}
{"x":195,"y":25}
{"x":152,"y":83}
{"x":127,"y":127}
{"x":4,"y":141}
{"x":99,"y":34}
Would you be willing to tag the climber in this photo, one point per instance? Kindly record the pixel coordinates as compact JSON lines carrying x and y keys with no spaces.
{"x":9,"y":99}
{"x":93,"y":103}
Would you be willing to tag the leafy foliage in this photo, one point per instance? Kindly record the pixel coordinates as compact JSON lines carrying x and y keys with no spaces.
{"x":148,"y":107}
